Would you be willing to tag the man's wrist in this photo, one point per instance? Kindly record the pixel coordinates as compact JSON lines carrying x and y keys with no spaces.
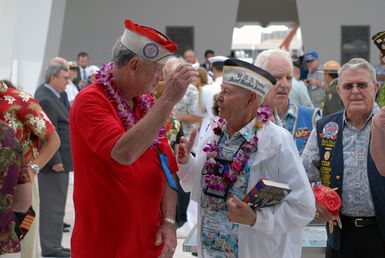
{"x":169,"y":221}
{"x":35,"y":168}
{"x":253,"y":219}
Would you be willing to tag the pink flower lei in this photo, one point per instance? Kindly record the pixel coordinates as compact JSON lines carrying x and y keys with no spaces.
{"x":212,"y":150}
{"x":126,"y":114}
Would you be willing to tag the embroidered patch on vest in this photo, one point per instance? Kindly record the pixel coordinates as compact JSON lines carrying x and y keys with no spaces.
{"x":330,"y":131}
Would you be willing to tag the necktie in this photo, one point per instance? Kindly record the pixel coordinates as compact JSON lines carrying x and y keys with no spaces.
{"x":64,"y":99}
{"x":84,"y":75}
{"x":61,"y":100}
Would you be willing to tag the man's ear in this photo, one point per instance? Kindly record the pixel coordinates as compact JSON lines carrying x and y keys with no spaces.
{"x":252,"y":97}
{"x":338,"y":89}
{"x":133,"y":65}
{"x":376,"y":88}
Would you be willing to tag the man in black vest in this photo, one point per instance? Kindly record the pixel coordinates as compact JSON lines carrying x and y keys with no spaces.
{"x":337,"y":155}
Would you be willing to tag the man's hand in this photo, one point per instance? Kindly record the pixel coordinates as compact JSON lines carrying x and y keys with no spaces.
{"x":178,"y":82}
{"x":240,"y":212}
{"x":322,"y":214}
{"x":185,"y":147}
{"x":379,"y":120}
{"x":167,"y":235}
{"x":58,"y":167}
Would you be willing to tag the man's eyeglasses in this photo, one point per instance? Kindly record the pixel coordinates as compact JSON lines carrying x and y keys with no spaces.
{"x":359,"y":85}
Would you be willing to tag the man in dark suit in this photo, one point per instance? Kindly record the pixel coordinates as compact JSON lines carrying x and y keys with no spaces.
{"x":53,"y":179}
{"x":82,"y":80}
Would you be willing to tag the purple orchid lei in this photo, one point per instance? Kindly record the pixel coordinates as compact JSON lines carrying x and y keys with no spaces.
{"x":212,"y":150}
{"x":126,"y":114}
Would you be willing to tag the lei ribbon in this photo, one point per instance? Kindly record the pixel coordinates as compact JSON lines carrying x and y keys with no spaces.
{"x":127,"y":116}
{"x":221,"y":182}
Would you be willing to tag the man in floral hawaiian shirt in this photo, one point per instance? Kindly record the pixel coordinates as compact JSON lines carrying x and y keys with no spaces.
{"x":31,"y":125}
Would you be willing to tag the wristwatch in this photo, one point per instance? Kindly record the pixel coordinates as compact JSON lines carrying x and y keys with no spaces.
{"x":35,"y":168}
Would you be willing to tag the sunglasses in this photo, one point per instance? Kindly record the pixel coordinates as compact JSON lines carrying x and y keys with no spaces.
{"x":359,"y":85}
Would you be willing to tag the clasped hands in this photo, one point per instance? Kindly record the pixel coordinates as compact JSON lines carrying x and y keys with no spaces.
{"x":322,"y":214}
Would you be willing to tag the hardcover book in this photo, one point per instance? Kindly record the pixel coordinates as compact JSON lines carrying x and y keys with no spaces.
{"x":266,"y":193}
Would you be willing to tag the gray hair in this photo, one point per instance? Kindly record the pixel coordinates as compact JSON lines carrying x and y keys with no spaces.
{"x":265,"y":57}
{"x":356,"y":64}
{"x":121,"y":55}
{"x":54,"y":70}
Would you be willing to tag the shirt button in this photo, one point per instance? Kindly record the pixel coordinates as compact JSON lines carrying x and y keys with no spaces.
{"x":338,"y":177}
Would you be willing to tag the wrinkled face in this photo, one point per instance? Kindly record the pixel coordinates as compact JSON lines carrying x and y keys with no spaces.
{"x":60,"y":81}
{"x":231,"y":101}
{"x":189,"y":56}
{"x":149,"y":75}
{"x":282,"y":70}
{"x":357,"y":91}
{"x":83,"y":61}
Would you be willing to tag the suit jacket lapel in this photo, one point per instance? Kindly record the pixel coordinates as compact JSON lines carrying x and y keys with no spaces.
{"x":57,"y":101}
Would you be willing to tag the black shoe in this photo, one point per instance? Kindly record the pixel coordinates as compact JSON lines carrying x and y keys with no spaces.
{"x":65,"y":225}
{"x":61,"y":253}
{"x":66,"y":249}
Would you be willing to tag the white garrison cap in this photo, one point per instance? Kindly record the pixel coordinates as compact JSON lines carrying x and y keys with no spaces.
{"x":147,"y":42}
{"x":217,"y":59}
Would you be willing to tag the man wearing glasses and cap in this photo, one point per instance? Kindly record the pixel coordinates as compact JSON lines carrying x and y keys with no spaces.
{"x":238,"y":150}
{"x":123,"y":196}
{"x":337,"y":155}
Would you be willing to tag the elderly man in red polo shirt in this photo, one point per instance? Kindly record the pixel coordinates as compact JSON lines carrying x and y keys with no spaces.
{"x":123,"y":197}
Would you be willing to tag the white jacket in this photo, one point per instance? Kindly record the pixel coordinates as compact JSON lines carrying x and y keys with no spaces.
{"x":277,"y":232}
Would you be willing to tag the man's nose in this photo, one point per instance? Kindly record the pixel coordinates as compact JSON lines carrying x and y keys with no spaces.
{"x":219,"y":96}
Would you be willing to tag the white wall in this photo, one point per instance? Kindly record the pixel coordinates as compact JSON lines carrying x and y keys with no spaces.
{"x":94,"y":26}
{"x":7,"y":29}
{"x":321,"y":23}
{"x":31,"y":36}
{"x":32,"y":21}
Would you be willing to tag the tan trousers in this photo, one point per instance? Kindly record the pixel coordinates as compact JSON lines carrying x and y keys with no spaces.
{"x":29,"y":247}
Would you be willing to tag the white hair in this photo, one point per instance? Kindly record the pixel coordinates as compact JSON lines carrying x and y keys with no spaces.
{"x":359,"y":63}
{"x":265,"y":57}
{"x":173,"y":62}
